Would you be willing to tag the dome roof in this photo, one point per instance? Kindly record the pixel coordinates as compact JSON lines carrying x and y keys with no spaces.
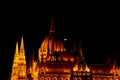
{"x":51,"y":43}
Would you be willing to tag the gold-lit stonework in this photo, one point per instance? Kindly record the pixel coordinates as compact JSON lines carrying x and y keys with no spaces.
{"x":56,"y":63}
{"x":19,"y":63}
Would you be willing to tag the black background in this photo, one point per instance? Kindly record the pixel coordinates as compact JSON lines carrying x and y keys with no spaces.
{"x":95,"y":24}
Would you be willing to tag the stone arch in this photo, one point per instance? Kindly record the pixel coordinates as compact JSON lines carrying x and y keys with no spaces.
{"x":66,"y":78}
{"x":60,"y":78}
{"x":98,"y":78}
{"x":42,"y":78}
{"x":88,"y":79}
{"x":54,"y":78}
{"x":74,"y":78}
{"x":79,"y":78}
{"x":104,"y":78}
{"x":48,"y":78}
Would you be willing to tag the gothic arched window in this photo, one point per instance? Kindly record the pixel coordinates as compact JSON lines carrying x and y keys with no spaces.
{"x":104,"y":79}
{"x":88,"y":79}
{"x":61,"y":78}
{"x":48,"y":78}
{"x":98,"y":79}
{"x":79,"y":78}
{"x":42,"y":78}
{"x":54,"y":78}
{"x":74,"y":78}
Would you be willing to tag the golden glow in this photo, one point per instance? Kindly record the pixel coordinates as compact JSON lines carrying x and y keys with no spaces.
{"x":75,"y":69}
{"x":19,"y":62}
{"x":88,"y":70}
{"x":48,"y":68}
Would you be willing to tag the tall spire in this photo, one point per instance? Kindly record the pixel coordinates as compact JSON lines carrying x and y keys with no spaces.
{"x":22,"y":45}
{"x":80,"y":49}
{"x":22,"y":61}
{"x":14,"y":75}
{"x":16,"y":50}
{"x":52,"y":28}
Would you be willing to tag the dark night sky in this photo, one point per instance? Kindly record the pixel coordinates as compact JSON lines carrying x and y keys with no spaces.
{"x":96,"y":25}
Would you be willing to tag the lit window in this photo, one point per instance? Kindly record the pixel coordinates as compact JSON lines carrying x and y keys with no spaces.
{"x":60,"y":78}
{"x":79,"y":78}
{"x":42,"y":78}
{"x":88,"y":79}
{"x":74,"y":78}
{"x":48,"y":78}
{"x":54,"y":78}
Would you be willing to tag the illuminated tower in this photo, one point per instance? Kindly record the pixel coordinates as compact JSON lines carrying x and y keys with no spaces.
{"x":14,"y":75}
{"x":22,"y":62}
{"x":19,"y":63}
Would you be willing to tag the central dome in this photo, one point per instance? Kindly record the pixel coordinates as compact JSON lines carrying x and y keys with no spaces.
{"x":51,"y":44}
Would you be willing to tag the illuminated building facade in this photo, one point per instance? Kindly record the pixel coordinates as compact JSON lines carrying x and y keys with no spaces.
{"x":56,"y":63}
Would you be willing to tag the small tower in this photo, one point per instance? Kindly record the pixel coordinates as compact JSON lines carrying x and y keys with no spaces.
{"x":22,"y":61}
{"x":14,"y":74}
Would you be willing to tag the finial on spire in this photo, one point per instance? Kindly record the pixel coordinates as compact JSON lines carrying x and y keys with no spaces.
{"x":52,"y":29}
{"x":16,"y":50}
{"x":80,"y":49}
{"x":22,"y":45}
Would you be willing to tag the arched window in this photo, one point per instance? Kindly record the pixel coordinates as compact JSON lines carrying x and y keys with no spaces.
{"x":88,"y":79}
{"x":104,"y":79}
{"x":48,"y":78}
{"x":42,"y":78}
{"x":79,"y":78}
{"x":61,"y":78}
{"x":98,"y":79}
{"x":54,"y":78}
{"x":66,"y":78}
{"x":74,"y":78}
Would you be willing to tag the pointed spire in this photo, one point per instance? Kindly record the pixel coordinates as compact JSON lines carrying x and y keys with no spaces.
{"x":22,"y":60}
{"x":14,"y":74}
{"x":80,"y":49}
{"x":52,"y":28}
{"x":22,"y":45}
{"x":16,"y":50}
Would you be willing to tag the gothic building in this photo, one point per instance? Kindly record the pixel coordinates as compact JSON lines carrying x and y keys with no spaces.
{"x":56,"y":63}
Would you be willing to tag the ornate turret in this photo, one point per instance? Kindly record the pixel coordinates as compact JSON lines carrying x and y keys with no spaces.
{"x":14,"y":75}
